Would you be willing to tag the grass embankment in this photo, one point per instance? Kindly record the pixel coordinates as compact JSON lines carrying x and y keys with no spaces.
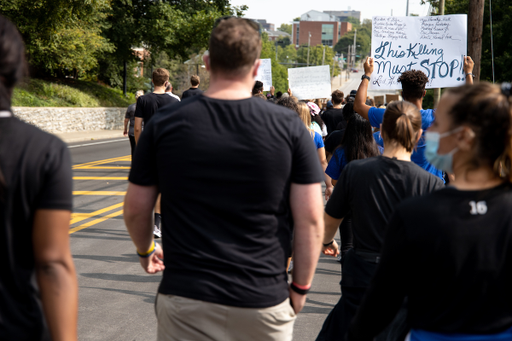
{"x":68,"y":93}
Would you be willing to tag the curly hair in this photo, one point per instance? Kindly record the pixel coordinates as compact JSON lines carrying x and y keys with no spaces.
{"x":413,"y":84}
{"x":289,"y":103}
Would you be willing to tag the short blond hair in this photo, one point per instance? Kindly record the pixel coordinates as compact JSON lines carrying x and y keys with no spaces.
{"x":305,"y":116}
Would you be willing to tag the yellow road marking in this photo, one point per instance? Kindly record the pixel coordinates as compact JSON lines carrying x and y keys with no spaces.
{"x":77,"y":217}
{"x":101,"y":162}
{"x":96,"y":221}
{"x":100,"y":178}
{"x":105,"y":167}
{"x":98,"y":193}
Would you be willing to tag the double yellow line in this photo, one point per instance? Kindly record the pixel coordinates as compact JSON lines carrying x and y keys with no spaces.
{"x":78,"y":217}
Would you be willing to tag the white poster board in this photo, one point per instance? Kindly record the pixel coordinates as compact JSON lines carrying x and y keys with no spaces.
{"x":310,"y":82}
{"x":435,"y":45}
{"x":265,"y":74}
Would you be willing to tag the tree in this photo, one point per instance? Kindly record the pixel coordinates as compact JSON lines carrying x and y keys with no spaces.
{"x":61,"y":36}
{"x":354,"y":21}
{"x":364,"y":34}
{"x":285,"y":28}
{"x":316,"y":56}
{"x":502,"y":20}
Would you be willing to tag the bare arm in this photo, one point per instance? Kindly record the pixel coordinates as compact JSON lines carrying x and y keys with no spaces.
{"x":360,"y":101}
{"x":328,"y":185}
{"x":331,"y":226}
{"x":137,"y":128}
{"x":55,"y":272}
{"x":126,"y":122}
{"x":138,"y":217}
{"x":307,"y":207}
{"x":468,"y":68}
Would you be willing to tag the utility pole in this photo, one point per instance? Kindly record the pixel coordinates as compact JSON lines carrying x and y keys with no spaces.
{"x":407,"y":9}
{"x":475,"y":29}
{"x":309,"y":42}
{"x":354,"y":49}
{"x":124,"y":78}
{"x":323,"y":56}
{"x":437,"y":91}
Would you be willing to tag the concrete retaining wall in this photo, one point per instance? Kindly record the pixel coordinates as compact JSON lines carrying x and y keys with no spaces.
{"x":63,"y":120}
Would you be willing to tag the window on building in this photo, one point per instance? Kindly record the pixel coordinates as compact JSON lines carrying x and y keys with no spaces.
{"x":327,"y":34}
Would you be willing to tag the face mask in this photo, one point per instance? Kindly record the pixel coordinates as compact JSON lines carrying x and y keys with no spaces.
{"x":445,"y":161}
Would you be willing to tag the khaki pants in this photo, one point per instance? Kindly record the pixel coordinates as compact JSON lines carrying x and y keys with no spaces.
{"x":181,"y":318}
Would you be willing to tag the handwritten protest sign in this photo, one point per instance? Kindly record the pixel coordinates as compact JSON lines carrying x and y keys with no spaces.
{"x":310,"y":82}
{"x":435,"y":45}
{"x":265,"y":74}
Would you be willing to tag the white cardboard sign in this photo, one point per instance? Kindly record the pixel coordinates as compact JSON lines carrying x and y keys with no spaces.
{"x":310,"y":82}
{"x":265,"y":74}
{"x":435,"y":45}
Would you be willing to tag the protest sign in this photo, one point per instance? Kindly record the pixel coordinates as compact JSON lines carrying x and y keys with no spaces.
{"x":265,"y":74}
{"x":435,"y":45}
{"x":310,"y":82}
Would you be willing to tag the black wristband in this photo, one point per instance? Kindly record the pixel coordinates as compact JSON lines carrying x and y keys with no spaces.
{"x":365,"y":77}
{"x":298,"y":290}
{"x":328,"y":244}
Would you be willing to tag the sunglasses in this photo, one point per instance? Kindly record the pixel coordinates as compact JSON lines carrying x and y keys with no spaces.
{"x":251,"y":23}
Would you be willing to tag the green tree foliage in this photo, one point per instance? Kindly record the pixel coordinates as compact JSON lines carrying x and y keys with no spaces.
{"x":285,"y":28}
{"x":502,"y":20}
{"x":61,"y":36}
{"x":354,"y":21}
{"x":364,"y":39}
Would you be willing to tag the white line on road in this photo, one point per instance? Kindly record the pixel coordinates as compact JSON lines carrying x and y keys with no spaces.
{"x":92,"y":144}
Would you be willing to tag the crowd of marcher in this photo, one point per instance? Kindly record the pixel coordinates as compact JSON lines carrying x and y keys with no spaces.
{"x":231,"y":180}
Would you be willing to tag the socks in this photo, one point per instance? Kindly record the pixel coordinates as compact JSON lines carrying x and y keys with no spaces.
{"x":158,"y":218}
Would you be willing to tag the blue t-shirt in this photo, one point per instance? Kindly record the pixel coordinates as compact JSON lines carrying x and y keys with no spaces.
{"x":319,"y":142}
{"x":338,"y":162}
{"x":424,"y":335}
{"x":375,"y":115}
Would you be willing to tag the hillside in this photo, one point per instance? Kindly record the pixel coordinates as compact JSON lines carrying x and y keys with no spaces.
{"x":68,"y":93}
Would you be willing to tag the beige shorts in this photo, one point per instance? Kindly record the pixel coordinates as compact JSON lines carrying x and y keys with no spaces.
{"x":181,"y":318}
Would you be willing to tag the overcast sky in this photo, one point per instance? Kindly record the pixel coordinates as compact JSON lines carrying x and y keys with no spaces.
{"x":283,"y":11}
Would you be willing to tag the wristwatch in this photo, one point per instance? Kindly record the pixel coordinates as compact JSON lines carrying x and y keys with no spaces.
{"x":470,"y":74}
{"x":365,"y":77}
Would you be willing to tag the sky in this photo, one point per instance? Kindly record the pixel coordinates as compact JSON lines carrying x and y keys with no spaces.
{"x":283,"y":11}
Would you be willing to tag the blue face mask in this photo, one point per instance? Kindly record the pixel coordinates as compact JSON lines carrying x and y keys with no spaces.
{"x":445,"y":161}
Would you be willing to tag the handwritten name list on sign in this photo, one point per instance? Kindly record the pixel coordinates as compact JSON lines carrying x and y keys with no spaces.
{"x":435,"y":45}
{"x":310,"y":82}
{"x":265,"y":74}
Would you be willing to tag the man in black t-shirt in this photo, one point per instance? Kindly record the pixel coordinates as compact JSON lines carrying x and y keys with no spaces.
{"x":194,"y":89}
{"x":146,"y":107}
{"x":235,"y":173}
{"x":333,"y":117}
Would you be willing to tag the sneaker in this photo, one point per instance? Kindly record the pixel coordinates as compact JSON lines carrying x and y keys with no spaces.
{"x":156,"y":232}
{"x":290,"y":268}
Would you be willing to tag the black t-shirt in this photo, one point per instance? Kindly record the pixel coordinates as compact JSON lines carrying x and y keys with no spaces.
{"x":191,"y":92}
{"x":450,"y":253}
{"x":130,"y":114}
{"x":224,"y":169}
{"x":372,"y":188}
{"x":332,"y":117}
{"x":148,"y":105}
{"x":36,"y":167}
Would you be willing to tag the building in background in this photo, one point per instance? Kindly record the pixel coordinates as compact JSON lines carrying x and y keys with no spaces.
{"x":344,"y":15}
{"x":274,"y":35}
{"x":325,"y":29}
{"x":265,"y":25}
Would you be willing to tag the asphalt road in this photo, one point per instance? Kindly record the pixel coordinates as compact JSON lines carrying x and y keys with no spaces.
{"x":116,"y":297}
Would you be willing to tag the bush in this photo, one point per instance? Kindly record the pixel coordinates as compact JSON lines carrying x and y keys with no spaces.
{"x":68,"y":93}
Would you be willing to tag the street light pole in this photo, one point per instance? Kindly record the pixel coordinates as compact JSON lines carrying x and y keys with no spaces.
{"x":354,"y":49}
{"x":309,"y":42}
{"x":407,"y":9}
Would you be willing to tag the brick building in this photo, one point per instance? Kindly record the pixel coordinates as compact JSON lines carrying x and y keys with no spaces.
{"x":325,"y":29}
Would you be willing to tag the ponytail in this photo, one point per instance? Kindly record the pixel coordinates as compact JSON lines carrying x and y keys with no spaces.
{"x":401,"y":124}
{"x":487,"y":109}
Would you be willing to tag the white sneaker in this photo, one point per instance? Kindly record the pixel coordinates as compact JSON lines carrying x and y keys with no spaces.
{"x":157,"y":233}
